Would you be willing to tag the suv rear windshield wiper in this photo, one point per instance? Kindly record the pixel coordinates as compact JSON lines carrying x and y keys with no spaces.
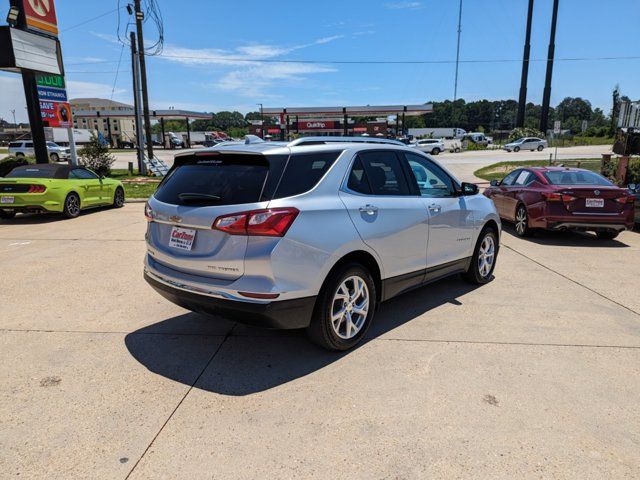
{"x":199,"y":198}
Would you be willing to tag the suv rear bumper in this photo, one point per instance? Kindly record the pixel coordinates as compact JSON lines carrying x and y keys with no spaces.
{"x":284,"y":314}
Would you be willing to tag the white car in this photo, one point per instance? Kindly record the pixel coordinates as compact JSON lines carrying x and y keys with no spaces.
{"x":430,"y":145}
{"x":23,"y":149}
{"x":526,"y":143}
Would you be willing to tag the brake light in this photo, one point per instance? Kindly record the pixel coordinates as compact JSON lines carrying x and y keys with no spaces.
{"x":36,"y":189}
{"x":626,"y":199}
{"x":558,"y":197}
{"x":270,"y":222}
{"x":148,"y":212}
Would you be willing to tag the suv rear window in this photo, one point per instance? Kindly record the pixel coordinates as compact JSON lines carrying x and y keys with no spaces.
{"x":304,"y":171}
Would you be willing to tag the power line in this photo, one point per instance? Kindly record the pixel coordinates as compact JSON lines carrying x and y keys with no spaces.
{"x":386,"y":62}
{"x":91,"y":20}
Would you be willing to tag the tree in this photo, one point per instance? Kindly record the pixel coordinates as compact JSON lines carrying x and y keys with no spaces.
{"x":95,"y":155}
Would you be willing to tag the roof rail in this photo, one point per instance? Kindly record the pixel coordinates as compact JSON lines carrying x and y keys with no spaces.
{"x":325,"y":140}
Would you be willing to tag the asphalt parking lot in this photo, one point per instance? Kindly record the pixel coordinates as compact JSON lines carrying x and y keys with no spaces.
{"x":536,"y":374}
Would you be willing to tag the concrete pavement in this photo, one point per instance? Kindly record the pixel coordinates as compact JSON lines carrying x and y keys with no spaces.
{"x":536,"y":374}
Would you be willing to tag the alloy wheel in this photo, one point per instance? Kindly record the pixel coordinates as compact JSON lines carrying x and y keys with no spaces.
{"x":73,"y":205}
{"x":486,"y":256}
{"x":350,"y":307}
{"x":521,"y":221}
{"x":119,"y":199}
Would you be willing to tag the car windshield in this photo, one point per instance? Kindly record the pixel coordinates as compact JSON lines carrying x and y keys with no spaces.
{"x":52,"y":145}
{"x":576,"y":178}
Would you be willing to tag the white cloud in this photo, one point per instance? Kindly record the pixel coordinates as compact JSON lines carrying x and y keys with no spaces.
{"x":12,"y":98}
{"x":76,"y":89}
{"x":404,"y":5}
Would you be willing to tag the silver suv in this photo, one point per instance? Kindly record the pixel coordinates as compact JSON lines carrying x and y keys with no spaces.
{"x":314,"y":233}
{"x":23,"y":149}
{"x":430,"y":145}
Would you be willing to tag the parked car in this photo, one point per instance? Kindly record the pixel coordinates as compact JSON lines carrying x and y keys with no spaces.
{"x":313,"y":233}
{"x":558,"y":198}
{"x":25,"y":148}
{"x":634,"y":189}
{"x":452,"y":145}
{"x":56,"y":188}
{"x":526,"y":143}
{"x":430,"y":145}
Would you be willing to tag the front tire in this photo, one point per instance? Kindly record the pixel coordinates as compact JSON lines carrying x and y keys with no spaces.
{"x":522,"y":222}
{"x":118,"y":198}
{"x":516,"y":149}
{"x":484,"y":258}
{"x":54,"y":157}
{"x":344,"y":309}
{"x":607,"y":235}
{"x":72,"y":206}
{"x":19,"y":155}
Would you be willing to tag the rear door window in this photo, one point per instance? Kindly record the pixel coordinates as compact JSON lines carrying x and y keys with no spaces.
{"x":304,"y":171}
{"x":216,"y":180}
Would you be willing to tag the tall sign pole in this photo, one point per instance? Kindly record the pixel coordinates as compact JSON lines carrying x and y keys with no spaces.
{"x":31,"y":96}
{"x":546,"y":98}
{"x":143,"y":77}
{"x":522,"y":102}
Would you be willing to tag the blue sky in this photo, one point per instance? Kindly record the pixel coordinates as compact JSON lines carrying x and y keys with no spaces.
{"x":209,"y":47}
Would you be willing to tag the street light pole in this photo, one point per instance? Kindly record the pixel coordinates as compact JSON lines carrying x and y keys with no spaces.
{"x":143,"y":77}
{"x":455,"y":87}
{"x":261,"y":119}
{"x":15,"y":124}
{"x":546,"y":98}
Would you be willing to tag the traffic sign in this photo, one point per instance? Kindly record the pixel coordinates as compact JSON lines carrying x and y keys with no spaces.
{"x":556,"y":127}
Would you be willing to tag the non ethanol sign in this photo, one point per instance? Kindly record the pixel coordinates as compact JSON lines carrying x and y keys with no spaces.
{"x":56,"y":112}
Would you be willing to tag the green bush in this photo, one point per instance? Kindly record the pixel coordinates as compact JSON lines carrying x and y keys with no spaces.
{"x":517,"y":133}
{"x":475,"y":146}
{"x":95,"y":155}
{"x":9,"y":163}
{"x":633,"y":173}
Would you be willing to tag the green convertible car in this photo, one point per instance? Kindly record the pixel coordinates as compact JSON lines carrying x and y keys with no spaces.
{"x":56,"y":188}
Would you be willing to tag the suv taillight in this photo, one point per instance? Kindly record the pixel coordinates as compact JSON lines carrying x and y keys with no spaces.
{"x":270,"y":222}
{"x":36,"y":189}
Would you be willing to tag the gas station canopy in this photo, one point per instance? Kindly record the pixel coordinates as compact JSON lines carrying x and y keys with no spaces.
{"x":354,"y":111}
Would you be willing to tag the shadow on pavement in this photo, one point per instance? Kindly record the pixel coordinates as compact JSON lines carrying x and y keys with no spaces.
{"x":40,"y":218}
{"x":253,"y":360}
{"x":565,"y":238}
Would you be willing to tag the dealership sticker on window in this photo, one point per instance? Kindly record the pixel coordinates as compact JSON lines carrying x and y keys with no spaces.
{"x":182,"y":238}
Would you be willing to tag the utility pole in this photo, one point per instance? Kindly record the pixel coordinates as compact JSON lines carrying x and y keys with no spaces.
{"x":455,"y":88}
{"x":33,"y":101}
{"x":136,"y":105}
{"x":522,"y":103}
{"x":546,"y":99}
{"x":14,"y":118}
{"x":261,"y":119}
{"x":143,"y":77}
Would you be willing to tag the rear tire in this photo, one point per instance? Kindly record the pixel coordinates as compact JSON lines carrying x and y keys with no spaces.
{"x":522,"y":222}
{"x":540,"y":148}
{"x":435,"y":151}
{"x":7,"y":214}
{"x":118,"y":198}
{"x":456,"y":150}
{"x":345,"y":308}
{"x":607,"y":235}
{"x":484,"y":258}
{"x":72,"y":206}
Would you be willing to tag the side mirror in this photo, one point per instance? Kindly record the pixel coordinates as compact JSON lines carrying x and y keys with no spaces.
{"x":469,"y":188}
{"x":494,"y":183}
{"x":633,"y":187}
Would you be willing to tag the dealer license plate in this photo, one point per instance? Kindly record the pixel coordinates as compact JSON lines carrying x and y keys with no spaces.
{"x":594,"y":202}
{"x":7,"y":199}
{"x":182,"y":238}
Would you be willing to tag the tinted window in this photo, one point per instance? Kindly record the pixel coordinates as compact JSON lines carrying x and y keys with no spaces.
{"x":31,"y":172}
{"x":303,"y":172}
{"x":28,"y":144}
{"x":15,"y":145}
{"x":384,"y":173}
{"x":82,"y":174}
{"x":432,"y":181}
{"x":509,"y":179}
{"x":234,"y":179}
{"x":523,"y":178}
{"x":358,"y":181}
{"x":576,"y":178}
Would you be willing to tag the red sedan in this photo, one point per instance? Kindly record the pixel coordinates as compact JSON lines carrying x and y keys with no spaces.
{"x":559,"y":198}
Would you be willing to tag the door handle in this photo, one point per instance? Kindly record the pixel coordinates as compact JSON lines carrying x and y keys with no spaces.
{"x":434,"y":208}
{"x":369,"y":209}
